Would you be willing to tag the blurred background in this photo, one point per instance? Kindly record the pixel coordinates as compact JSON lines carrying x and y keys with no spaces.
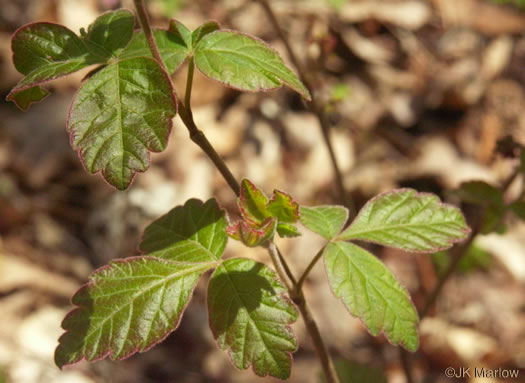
{"x":422,"y":94}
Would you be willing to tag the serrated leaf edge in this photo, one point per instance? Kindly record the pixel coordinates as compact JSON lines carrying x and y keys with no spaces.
{"x":382,"y":331}
{"x":450,"y":242}
{"x":306,"y":96}
{"x":86,"y":285}
{"x":283,"y":295}
{"x":135,"y":172}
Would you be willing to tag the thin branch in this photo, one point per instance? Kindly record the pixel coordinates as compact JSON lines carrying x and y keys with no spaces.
{"x":189,"y":83}
{"x":278,"y":260}
{"x":319,"y":254}
{"x":315,"y":107}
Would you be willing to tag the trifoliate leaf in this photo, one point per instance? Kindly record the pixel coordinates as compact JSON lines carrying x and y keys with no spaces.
{"x":249,"y":317}
{"x":244,"y":62}
{"x":171,"y":47}
{"x":194,"y":232}
{"x":408,"y":220}
{"x":110,"y":33}
{"x":127,"y":307}
{"x":370,"y":292}
{"x":119,"y":115}
{"x":250,"y":235}
{"x":326,"y":220}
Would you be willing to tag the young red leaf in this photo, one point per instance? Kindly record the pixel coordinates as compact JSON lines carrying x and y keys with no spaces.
{"x":253,"y":236}
{"x":252,"y":203}
{"x":283,"y":207}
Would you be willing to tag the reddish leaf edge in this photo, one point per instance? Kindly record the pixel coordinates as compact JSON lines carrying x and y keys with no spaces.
{"x":294,"y":203}
{"x":382,"y":332}
{"x":450,"y":243}
{"x":135,"y":172}
{"x":283,"y":295}
{"x":78,"y":308}
{"x":308,"y":98}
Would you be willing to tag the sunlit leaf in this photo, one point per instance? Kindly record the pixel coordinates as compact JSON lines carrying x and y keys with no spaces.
{"x":252,"y":203}
{"x":244,"y":62}
{"x":171,"y":47}
{"x":408,"y":220}
{"x":253,"y":236}
{"x":128,"y":306}
{"x":194,"y":232}
{"x":326,"y":220}
{"x":119,"y":115}
{"x":371,"y":292}
{"x":249,"y":317}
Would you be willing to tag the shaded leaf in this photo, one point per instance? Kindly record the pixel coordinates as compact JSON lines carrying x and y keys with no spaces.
{"x":479,"y":193}
{"x":244,"y":62}
{"x":171,"y":47}
{"x":119,"y":115}
{"x":43,"y":52}
{"x":184,"y":34}
{"x":194,"y":232}
{"x":326,"y":220}
{"x":253,"y":236}
{"x":128,"y":306}
{"x":408,"y":220}
{"x":252,"y":203}
{"x":370,"y":291}
{"x":23,"y":99}
{"x":518,"y":208}
{"x":249,"y":316}
{"x":354,"y":372}
{"x":110,"y":33}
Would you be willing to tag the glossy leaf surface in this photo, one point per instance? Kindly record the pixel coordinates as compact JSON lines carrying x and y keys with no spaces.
{"x":244,"y":62}
{"x":127,"y":307}
{"x":119,"y":115}
{"x":250,"y":317}
{"x":194,"y":232}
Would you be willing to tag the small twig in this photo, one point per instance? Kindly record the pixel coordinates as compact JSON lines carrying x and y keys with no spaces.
{"x":278,"y":260}
{"x":189,"y":83}
{"x":319,"y":254}
{"x":315,"y":107}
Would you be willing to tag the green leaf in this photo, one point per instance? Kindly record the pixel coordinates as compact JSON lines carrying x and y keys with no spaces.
{"x":370,"y":291}
{"x":252,"y":203}
{"x":194,"y":232}
{"x":249,"y":316}
{"x":203,"y":30}
{"x":119,"y":115}
{"x":24,"y":98}
{"x":253,"y":236}
{"x":354,"y":372}
{"x":479,"y":193}
{"x":110,"y":33}
{"x":244,"y":62}
{"x":171,"y":47}
{"x":128,"y":306}
{"x":184,"y":34}
{"x":287,"y":230}
{"x":283,"y":207}
{"x":43,"y":52}
{"x":326,"y":220}
{"x":408,"y":220}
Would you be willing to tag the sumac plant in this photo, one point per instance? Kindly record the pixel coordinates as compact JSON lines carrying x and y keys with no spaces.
{"x":123,"y":111}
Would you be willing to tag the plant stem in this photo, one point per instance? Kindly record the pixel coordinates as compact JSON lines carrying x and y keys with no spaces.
{"x":319,"y":254}
{"x":281,"y":266}
{"x":315,"y":107}
{"x":189,"y":83}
